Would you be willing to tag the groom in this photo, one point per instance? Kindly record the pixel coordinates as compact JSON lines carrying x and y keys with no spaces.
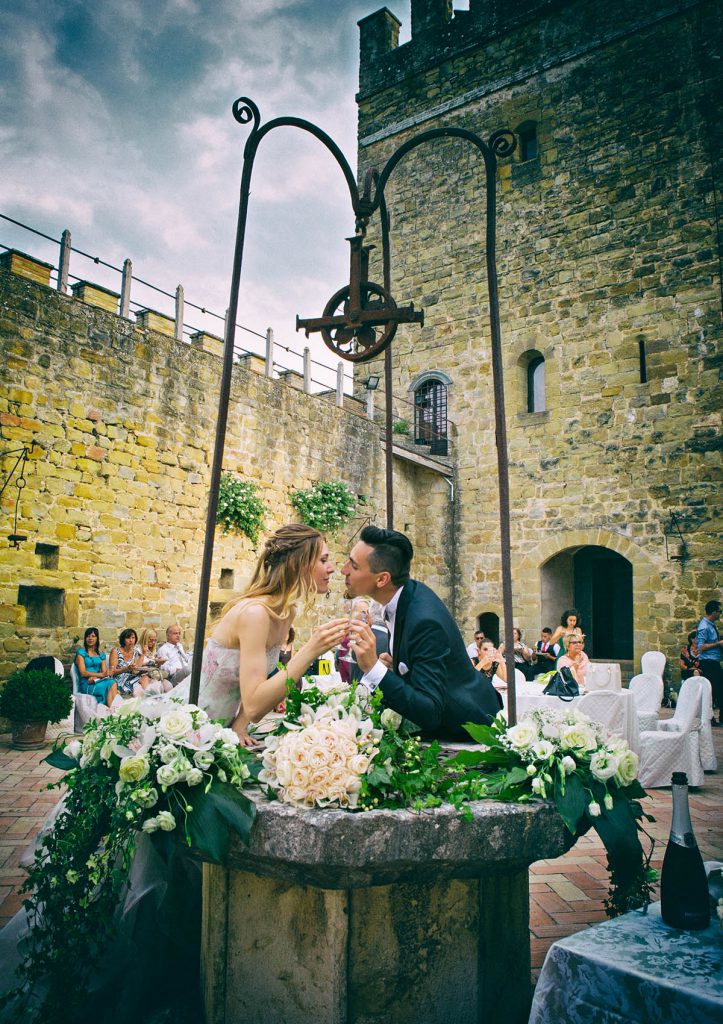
{"x":429,"y":677}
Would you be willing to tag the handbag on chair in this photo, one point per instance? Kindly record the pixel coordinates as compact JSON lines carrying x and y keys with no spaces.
{"x":563,"y":685}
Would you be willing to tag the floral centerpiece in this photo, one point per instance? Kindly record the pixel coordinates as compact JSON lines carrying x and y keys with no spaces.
{"x":156,"y":767}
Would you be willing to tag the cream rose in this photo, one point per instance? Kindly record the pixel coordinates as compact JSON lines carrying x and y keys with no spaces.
{"x":603,"y":765}
{"x":166,"y":821}
{"x":627,"y":770}
{"x":523,"y":735}
{"x":134,"y":768}
{"x":175,"y":724}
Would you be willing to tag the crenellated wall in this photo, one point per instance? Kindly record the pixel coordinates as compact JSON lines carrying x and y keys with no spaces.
{"x":115,"y":503}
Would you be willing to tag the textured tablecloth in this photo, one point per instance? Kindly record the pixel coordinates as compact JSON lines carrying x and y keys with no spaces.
{"x":633,"y":968}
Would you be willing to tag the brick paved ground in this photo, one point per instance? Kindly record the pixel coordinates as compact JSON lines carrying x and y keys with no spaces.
{"x":565,"y":894}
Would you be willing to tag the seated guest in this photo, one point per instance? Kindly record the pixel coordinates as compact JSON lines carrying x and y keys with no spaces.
{"x":151,"y":662}
{"x":124,"y":664}
{"x":524,"y":655}
{"x":575,"y":658}
{"x":689,"y":661}
{"x":176,"y":661}
{"x":92,"y":666}
{"x":473,"y":648}
{"x":491,"y":665}
{"x":546,"y":653}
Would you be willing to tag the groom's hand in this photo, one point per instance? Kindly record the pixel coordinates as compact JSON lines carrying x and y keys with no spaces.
{"x":364,"y":644}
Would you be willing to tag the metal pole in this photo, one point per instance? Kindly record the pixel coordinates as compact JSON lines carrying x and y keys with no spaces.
{"x":221,"y":423}
{"x":389,"y":412}
{"x":501,"y":443}
{"x":64,"y":262}
{"x":125,"y":297}
{"x":269,"y":367}
{"x":179,"y":313}
{"x":340,"y":385}
{"x":307,"y":370}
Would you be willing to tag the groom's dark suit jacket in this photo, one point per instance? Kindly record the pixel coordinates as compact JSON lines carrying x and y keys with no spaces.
{"x":440,"y":689}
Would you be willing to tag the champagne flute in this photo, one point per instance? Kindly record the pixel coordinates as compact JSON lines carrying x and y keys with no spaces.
{"x":357,"y":608}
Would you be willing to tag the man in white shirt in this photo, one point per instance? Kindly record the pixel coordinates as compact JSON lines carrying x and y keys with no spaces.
{"x":176,"y":661}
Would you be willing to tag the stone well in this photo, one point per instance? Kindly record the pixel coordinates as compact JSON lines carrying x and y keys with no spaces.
{"x":385,"y":916}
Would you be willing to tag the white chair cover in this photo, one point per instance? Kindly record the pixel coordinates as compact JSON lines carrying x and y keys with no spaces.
{"x":675,"y":745}
{"x":647,"y":691}
{"x":86,"y":707}
{"x":652,"y":663}
{"x":707,"y":748}
{"x":615,"y":711}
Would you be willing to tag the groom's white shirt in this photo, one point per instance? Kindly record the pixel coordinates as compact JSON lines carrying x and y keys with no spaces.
{"x":376,"y":673}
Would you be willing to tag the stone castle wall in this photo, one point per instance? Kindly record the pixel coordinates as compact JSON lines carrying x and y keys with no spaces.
{"x":115,"y":502}
{"x":608,"y":246}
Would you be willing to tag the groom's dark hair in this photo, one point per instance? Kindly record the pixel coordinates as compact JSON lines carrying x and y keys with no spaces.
{"x":392,"y":552}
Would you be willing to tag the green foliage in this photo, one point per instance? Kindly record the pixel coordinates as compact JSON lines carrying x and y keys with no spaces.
{"x":239,"y":507}
{"x":35,"y":696}
{"x":400,"y":427}
{"x":325,"y":506}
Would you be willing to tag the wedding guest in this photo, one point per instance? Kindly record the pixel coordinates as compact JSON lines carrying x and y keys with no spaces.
{"x":491,"y":665}
{"x":524,"y":655}
{"x":575,"y":658}
{"x":176,"y":660}
{"x":570,"y":622}
{"x":546,"y":652}
{"x":431,"y":680}
{"x":473,"y":647}
{"x":124,"y":663}
{"x":151,"y":662}
{"x":709,"y":655}
{"x":92,"y":666}
{"x":235,"y":685}
{"x":689,"y":660}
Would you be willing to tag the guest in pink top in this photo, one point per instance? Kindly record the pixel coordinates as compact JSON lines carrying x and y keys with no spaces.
{"x":575,"y":657}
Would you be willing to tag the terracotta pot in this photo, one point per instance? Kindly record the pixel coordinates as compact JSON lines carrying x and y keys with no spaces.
{"x":29,"y":735}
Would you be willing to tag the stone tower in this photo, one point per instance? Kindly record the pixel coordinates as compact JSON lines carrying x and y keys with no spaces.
{"x":610,"y":298}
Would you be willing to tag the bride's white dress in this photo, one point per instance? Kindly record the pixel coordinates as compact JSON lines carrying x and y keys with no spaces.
{"x":218,"y":693}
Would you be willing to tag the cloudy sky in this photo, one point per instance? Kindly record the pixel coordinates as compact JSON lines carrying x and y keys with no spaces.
{"x":115,"y":122}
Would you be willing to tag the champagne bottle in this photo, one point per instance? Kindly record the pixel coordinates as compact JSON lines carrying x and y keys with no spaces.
{"x":684,"y":899}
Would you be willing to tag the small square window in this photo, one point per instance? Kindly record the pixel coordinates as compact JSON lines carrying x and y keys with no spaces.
{"x":49,"y":554}
{"x":44,"y":606}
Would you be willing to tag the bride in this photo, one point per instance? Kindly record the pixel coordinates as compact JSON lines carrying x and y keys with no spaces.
{"x":238,"y":683}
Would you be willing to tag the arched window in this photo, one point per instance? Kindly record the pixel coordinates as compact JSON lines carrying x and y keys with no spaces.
{"x":536,"y":384}
{"x":430,"y":412}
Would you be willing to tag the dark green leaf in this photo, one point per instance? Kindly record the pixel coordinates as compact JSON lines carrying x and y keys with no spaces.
{"x":58,"y":759}
{"x":572,"y":803}
{"x":481,"y":733}
{"x":223,"y":807}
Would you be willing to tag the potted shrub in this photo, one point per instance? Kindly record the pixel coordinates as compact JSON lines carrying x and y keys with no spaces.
{"x":30,"y":700}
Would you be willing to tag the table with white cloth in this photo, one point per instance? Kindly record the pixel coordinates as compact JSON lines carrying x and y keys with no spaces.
{"x":634,"y":968}
{"x":530,"y":695}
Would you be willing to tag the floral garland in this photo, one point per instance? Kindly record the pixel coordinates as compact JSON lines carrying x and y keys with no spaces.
{"x":162,"y":768}
{"x":239,"y":507}
{"x":156,"y":767}
{"x":325,"y":506}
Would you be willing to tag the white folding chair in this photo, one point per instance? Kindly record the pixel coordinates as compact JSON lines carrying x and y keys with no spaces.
{"x":85,"y":706}
{"x":652,"y":663}
{"x":647,"y":691}
{"x":707,"y":748}
{"x":607,"y":708}
{"x":675,"y":745}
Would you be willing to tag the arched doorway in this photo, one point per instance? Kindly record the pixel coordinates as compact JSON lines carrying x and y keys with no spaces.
{"x":489,"y":623}
{"x":599,"y":583}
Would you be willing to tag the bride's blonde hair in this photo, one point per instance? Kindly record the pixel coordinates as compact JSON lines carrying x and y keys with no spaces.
{"x":284,"y":573}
